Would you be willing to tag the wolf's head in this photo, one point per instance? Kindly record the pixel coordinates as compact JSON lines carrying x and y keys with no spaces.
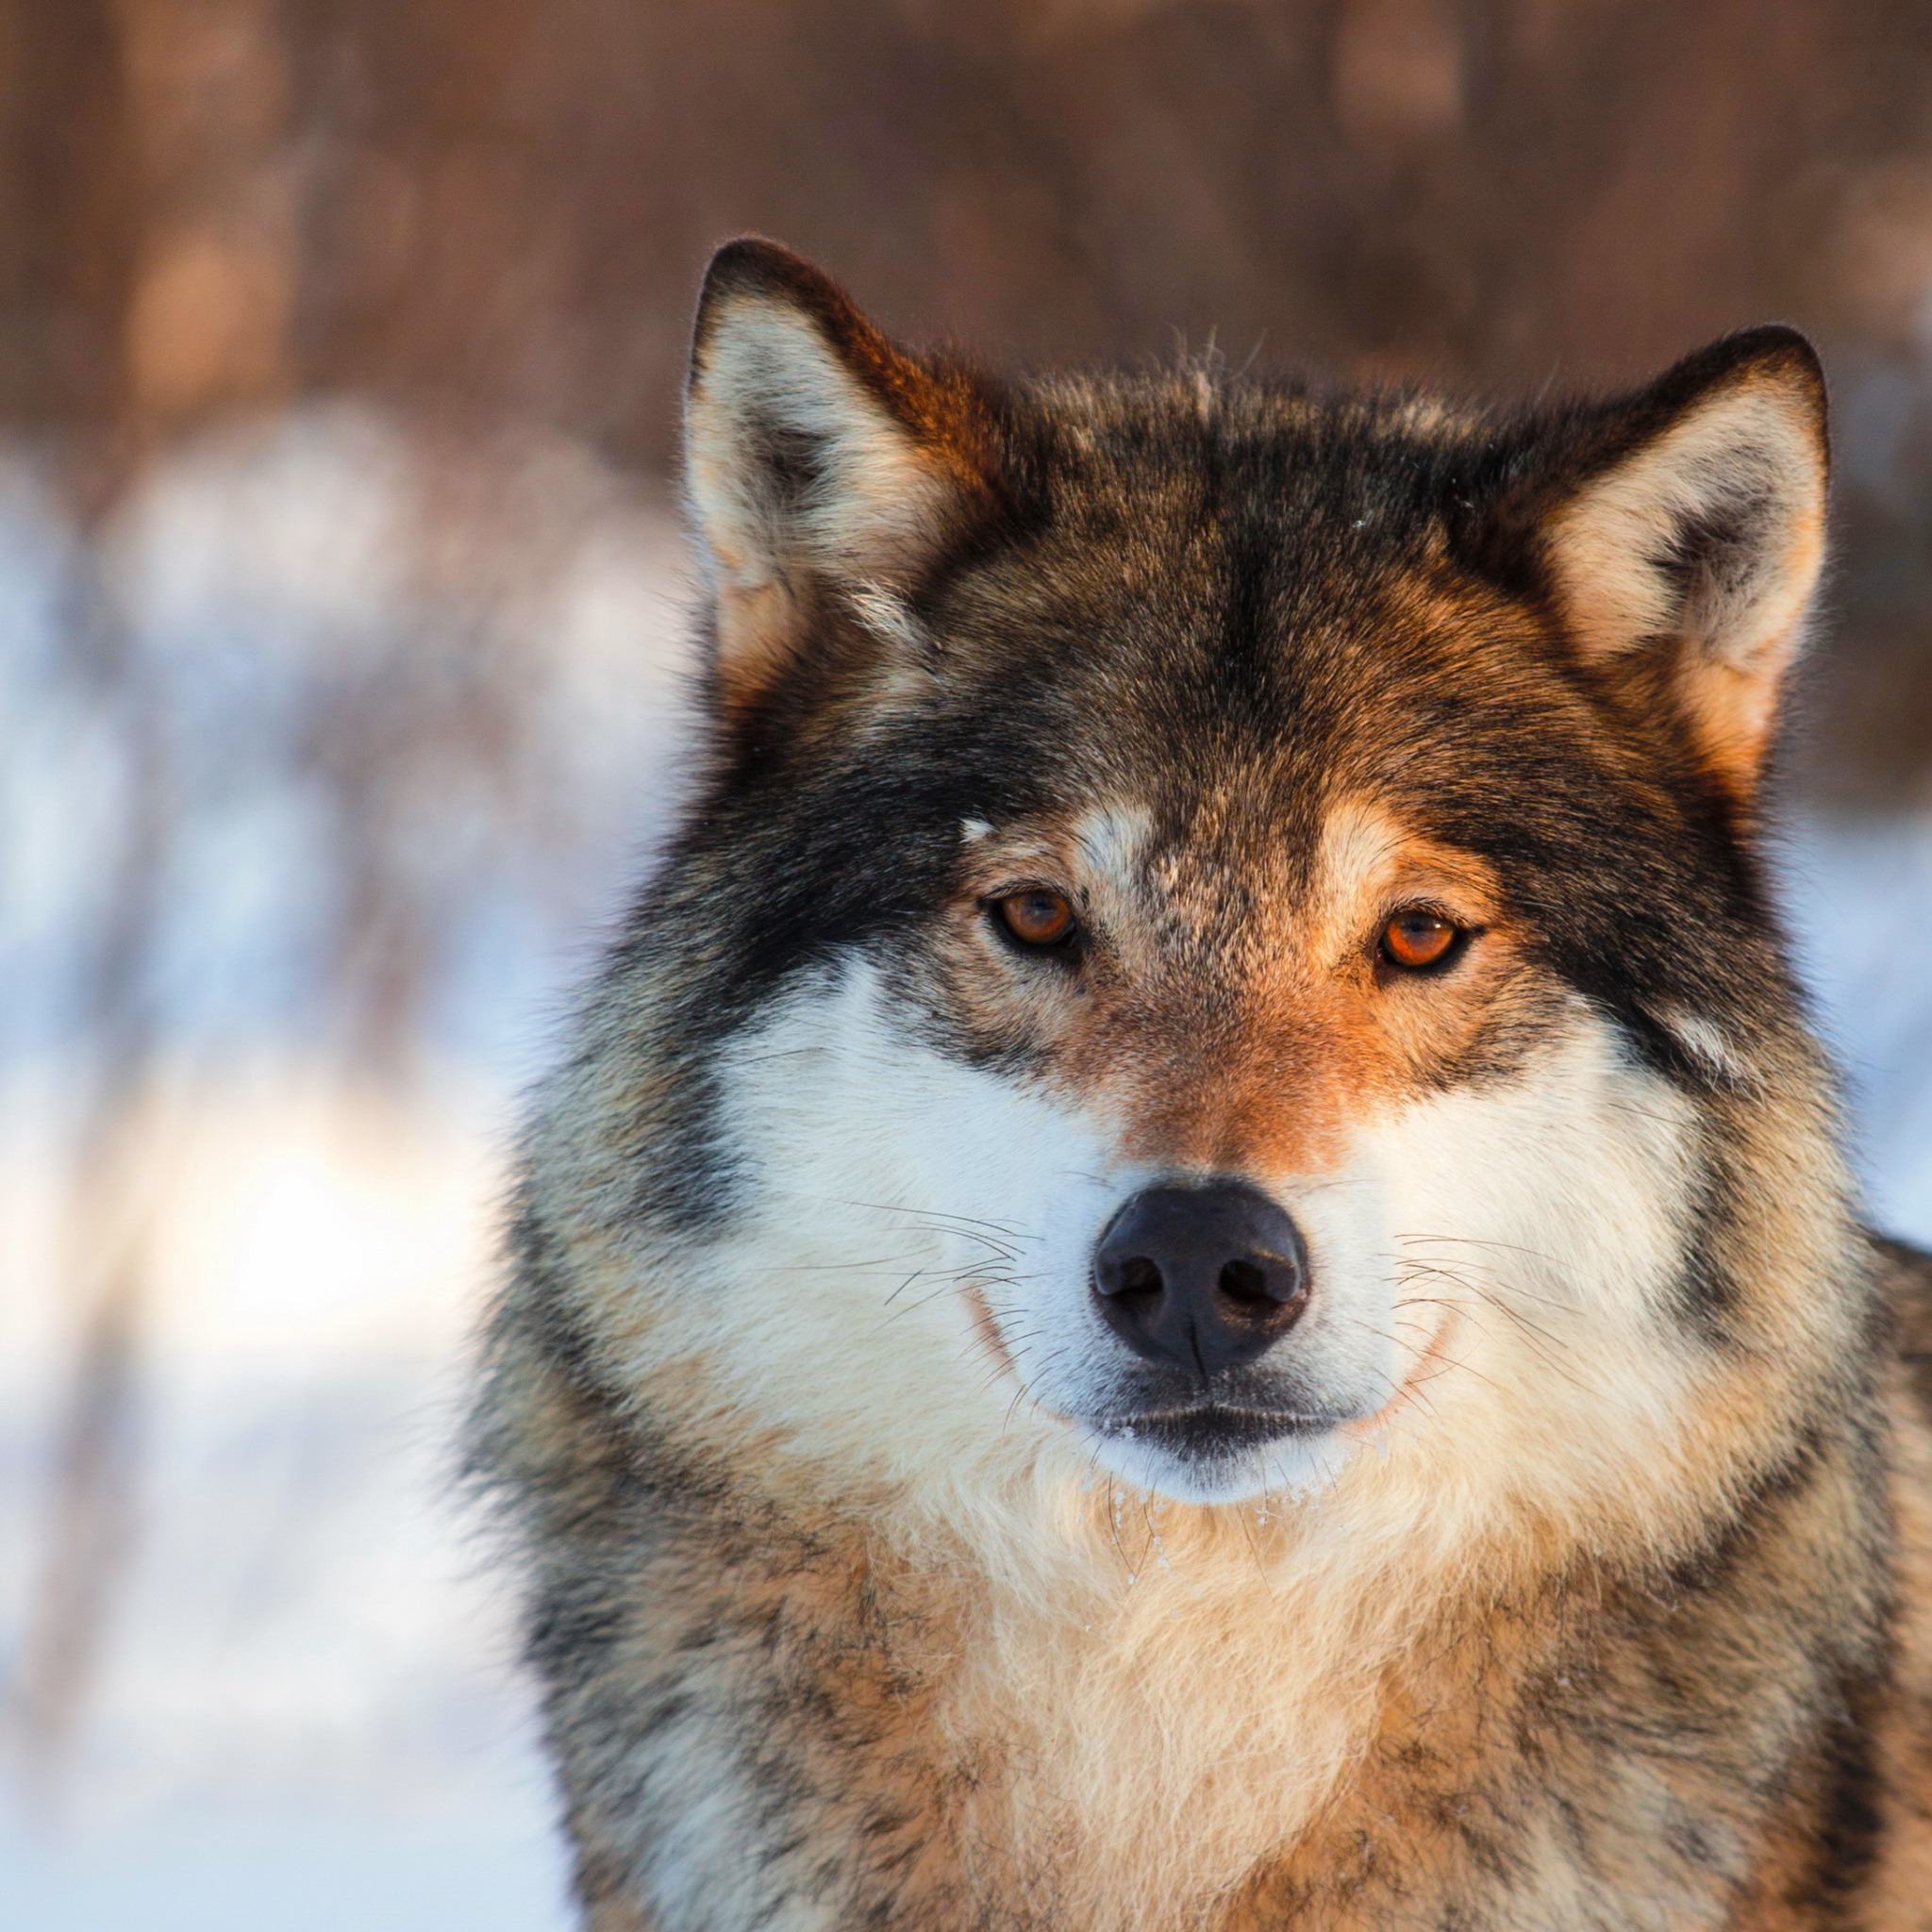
{"x":1221,"y":933}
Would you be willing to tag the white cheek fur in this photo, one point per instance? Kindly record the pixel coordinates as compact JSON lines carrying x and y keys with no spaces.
{"x":1539,"y":1223}
{"x":895,"y":1194}
{"x":1491,"y":1265}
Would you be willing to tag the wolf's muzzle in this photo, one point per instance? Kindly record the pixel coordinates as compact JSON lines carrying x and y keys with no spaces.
{"x":1201,"y":1279}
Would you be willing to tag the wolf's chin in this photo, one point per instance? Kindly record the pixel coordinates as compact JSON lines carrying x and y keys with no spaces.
{"x":1298,"y":1462}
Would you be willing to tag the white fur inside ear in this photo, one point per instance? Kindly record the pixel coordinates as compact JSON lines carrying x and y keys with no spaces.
{"x":974,"y":830}
{"x":792,"y":461}
{"x":1713,"y":532}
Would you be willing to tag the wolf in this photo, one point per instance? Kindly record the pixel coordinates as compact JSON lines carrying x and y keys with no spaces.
{"x":1190,"y":1266}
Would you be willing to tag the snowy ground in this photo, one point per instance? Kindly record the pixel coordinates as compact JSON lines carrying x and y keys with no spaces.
{"x":305,"y":1717}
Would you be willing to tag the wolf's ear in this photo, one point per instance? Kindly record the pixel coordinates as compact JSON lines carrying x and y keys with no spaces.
{"x":1684,"y":537}
{"x":821,"y":461}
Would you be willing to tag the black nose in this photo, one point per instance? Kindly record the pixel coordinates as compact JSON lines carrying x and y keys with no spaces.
{"x":1201,"y":1279}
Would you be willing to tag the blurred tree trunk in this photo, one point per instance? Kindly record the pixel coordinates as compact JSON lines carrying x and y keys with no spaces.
{"x":146,"y":281}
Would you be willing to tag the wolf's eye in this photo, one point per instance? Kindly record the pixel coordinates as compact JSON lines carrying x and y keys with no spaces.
{"x":1036,"y":917}
{"x":1416,"y":938}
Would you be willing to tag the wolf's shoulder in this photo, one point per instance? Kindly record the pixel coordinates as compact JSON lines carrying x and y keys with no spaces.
{"x":1906,"y":1270}
{"x":1905,"y":1279}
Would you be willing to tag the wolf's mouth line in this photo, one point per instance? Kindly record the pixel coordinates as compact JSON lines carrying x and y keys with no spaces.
{"x":1293,"y":1420}
{"x":1286,"y":1422}
{"x":988,"y":1331}
{"x":1406,"y":1390}
{"x":1155,"y":1420}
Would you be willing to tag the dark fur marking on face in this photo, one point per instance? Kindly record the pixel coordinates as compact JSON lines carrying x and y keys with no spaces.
{"x":1705,"y":1293}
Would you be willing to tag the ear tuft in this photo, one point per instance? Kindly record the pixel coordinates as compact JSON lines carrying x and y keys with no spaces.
{"x":821,"y":459}
{"x":1683,"y":534}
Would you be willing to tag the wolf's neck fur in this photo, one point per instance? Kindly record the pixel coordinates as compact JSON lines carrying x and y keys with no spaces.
{"x":1175,"y":1715}
{"x":1194,"y":1703}
{"x":1233,"y":1734}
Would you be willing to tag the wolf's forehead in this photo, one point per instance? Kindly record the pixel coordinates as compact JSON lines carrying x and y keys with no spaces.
{"x":1237,"y":849}
{"x":1114,"y":840}
{"x":1317,"y":490}
{"x":1199,"y":651}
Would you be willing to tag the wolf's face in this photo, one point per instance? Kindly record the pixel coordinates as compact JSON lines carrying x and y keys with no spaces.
{"x":1219,"y":934}
{"x":1200,"y":1101}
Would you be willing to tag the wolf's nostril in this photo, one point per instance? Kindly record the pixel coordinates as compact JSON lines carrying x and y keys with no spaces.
{"x":1243,"y":1282}
{"x":1201,"y":1279}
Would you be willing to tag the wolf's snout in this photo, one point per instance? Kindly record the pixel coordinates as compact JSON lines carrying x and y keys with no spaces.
{"x":1201,"y":1279}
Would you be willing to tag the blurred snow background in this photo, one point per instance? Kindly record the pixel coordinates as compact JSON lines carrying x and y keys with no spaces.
{"x":261,"y":1673}
{"x":365,"y":736}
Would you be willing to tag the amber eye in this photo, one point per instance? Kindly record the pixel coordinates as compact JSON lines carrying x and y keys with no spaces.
{"x":1036,"y":917}
{"x":1416,"y":938}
